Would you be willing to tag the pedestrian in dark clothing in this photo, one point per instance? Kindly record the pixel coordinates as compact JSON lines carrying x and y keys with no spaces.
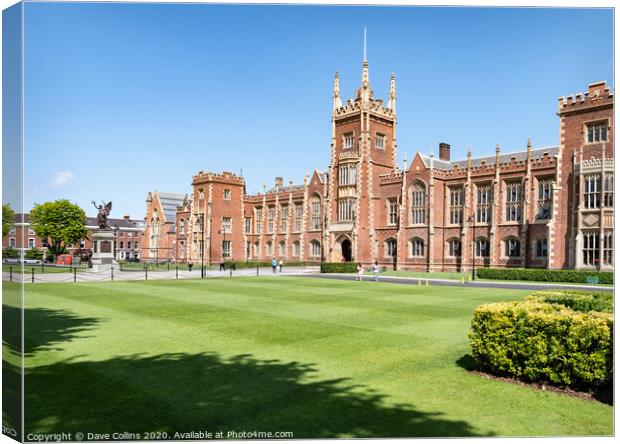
{"x":190,"y":264}
{"x":222,"y":265}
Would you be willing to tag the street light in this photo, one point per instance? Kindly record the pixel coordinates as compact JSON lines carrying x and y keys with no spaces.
{"x":115,"y":240}
{"x":202,"y":246}
{"x":210,"y":205}
{"x":472,"y":220}
{"x":323,"y":238}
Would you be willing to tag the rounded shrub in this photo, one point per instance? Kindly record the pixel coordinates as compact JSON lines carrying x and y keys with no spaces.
{"x":542,"y":342}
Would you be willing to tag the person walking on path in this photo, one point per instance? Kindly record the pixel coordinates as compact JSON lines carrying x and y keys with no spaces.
{"x":375,"y":272}
{"x":280,"y":265}
{"x":360,"y":272}
{"x":190,"y":264}
{"x":222,"y":265}
{"x":274,"y":264}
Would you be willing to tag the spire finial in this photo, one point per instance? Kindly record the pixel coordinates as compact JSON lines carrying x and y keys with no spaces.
{"x":392,"y":98}
{"x":336,"y":96}
{"x":364,"y":92}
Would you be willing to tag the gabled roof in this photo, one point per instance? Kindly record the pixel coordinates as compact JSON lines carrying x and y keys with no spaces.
{"x":437,"y":163}
{"x":120,"y":223}
{"x":91,"y":221}
{"x":537,"y":153}
{"x":285,"y":189}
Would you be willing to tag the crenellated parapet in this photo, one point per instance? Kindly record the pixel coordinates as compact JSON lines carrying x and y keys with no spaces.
{"x":223,"y":177}
{"x":391,"y":177}
{"x":355,"y":106}
{"x":598,"y":95}
{"x":595,"y":166}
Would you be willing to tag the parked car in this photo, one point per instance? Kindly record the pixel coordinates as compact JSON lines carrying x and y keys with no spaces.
{"x":12,"y":260}
{"x":16,"y":260}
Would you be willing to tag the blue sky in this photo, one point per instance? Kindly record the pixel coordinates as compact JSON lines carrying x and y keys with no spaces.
{"x":122,"y":99}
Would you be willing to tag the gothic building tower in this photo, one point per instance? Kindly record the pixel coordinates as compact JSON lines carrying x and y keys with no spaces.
{"x":363,"y":147}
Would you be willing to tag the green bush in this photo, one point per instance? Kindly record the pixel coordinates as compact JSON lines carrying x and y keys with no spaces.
{"x":583,"y":301}
{"x":338,"y":267}
{"x":33,"y":253}
{"x":9,"y":252}
{"x":543,"y":342}
{"x":544,"y":275}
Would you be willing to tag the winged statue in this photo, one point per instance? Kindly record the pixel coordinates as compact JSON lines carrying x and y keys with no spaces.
{"x":102,"y":216}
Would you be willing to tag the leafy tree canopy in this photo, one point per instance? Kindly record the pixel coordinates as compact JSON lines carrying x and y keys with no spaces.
{"x":8,"y":218}
{"x":59,"y":224}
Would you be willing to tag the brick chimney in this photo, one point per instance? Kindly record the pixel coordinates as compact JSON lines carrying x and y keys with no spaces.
{"x":444,"y":152}
{"x":279,"y":182}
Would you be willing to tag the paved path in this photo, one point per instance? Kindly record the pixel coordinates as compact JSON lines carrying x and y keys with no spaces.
{"x":140,"y":275}
{"x":456,"y":283}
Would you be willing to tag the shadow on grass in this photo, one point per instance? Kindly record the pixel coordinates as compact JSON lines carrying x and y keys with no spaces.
{"x":185,"y":392}
{"x":604,"y":394}
{"x":44,"y":328}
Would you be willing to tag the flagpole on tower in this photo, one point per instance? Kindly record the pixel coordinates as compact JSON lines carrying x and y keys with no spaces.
{"x":364,"y":43}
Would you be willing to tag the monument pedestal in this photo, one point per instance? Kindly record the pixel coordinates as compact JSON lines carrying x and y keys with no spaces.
{"x":103,"y":251}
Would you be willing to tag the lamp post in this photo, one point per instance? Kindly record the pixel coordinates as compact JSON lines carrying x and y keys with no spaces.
{"x":353,"y":249}
{"x":115,"y":240}
{"x":202,"y":246}
{"x":472,"y":220}
{"x":395,"y":252}
{"x":210,"y":205}
{"x":223,"y":233}
{"x":323,"y":239}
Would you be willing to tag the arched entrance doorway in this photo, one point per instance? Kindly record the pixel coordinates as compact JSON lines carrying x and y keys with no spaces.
{"x":346,"y":250}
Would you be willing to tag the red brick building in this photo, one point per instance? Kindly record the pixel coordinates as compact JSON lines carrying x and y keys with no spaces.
{"x":128,"y":234}
{"x":546,"y":207}
{"x":160,"y":236}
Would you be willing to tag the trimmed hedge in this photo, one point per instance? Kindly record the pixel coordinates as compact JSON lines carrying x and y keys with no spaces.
{"x":544,"y":275}
{"x":543,"y":342}
{"x":254,"y":264}
{"x":577,"y":300}
{"x":338,"y":267}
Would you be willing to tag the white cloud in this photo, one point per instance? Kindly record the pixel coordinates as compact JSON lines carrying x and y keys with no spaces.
{"x":62,"y":178}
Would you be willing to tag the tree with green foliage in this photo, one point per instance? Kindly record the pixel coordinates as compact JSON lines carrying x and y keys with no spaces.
{"x":8,"y":219}
{"x":59,"y":225}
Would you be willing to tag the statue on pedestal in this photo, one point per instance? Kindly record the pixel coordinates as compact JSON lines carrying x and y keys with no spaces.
{"x":102,"y":258}
{"x":102,"y":216}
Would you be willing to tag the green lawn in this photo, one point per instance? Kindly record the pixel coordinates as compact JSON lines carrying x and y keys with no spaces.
{"x":319,"y":358}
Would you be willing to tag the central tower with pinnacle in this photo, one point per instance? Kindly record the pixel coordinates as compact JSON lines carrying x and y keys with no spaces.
{"x":363,"y":147}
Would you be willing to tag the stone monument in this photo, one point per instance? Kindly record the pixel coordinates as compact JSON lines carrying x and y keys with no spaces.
{"x":103,"y":241}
